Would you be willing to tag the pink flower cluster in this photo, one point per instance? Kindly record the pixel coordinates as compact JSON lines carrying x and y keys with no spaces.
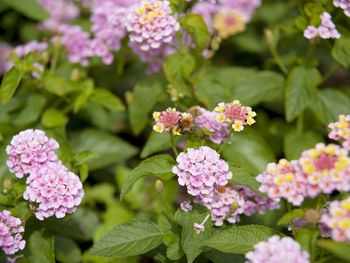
{"x":30,"y":150}
{"x":325,"y":30}
{"x":319,"y":170}
{"x":202,"y":171}
{"x":61,"y":11}
{"x":277,"y":250}
{"x":208,"y":120}
{"x":167,"y":120}
{"x":32,"y":46}
{"x":338,"y":220}
{"x":230,"y":201}
{"x":52,"y":189}
{"x":343,"y":4}
{"x":5,"y":53}
{"x":341,"y":130}
{"x":235,"y":114}
{"x":55,"y":189}
{"x":10,"y":233}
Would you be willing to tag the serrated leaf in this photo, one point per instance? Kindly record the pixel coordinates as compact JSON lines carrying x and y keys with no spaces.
{"x":66,"y":250}
{"x":107,"y":99}
{"x":302,"y":83}
{"x":159,"y":165}
{"x":10,"y":83}
{"x":31,"y":111}
{"x":289,"y":217}
{"x":191,"y":242}
{"x":294,"y":144}
{"x":239,"y":239}
{"x":29,"y":8}
{"x":339,"y":249}
{"x":145,"y":95}
{"x":242,"y":177}
{"x":53,"y":118}
{"x":131,"y":238}
{"x":328,"y":104}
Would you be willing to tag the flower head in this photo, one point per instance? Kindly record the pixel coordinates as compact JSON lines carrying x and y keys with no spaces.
{"x":340,"y":130}
{"x":10,"y":233}
{"x":167,"y":120}
{"x":278,"y":249}
{"x":229,"y":23}
{"x":343,"y":4}
{"x":325,"y":30}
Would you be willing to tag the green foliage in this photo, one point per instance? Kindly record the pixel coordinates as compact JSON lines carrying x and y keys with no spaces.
{"x":29,"y":8}
{"x":31,"y":110}
{"x":242,"y":177}
{"x":339,"y":249}
{"x":66,"y":250}
{"x":306,"y":238}
{"x":341,"y":51}
{"x":10,"y":83}
{"x":289,"y":217}
{"x":157,"y":142}
{"x":53,"y":118}
{"x":131,"y":238}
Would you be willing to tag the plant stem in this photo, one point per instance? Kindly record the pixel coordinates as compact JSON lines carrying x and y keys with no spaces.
{"x":227,"y":139}
{"x":324,"y":259}
{"x":300,"y":123}
{"x":278,"y":60}
{"x":54,"y":61}
{"x":330,"y":73}
{"x":291,"y":223}
{"x":173,"y":143}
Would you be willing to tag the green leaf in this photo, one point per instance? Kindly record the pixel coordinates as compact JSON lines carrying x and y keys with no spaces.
{"x":289,"y":217}
{"x":159,"y":165}
{"x":53,"y":118}
{"x":84,"y":96}
{"x":195,"y":25}
{"x":191,"y":242}
{"x":302,"y":83}
{"x":29,"y":8}
{"x":193,"y":141}
{"x":341,"y":50}
{"x":145,"y":95}
{"x":259,"y":87}
{"x":9,"y":84}
{"x":111,"y":148}
{"x":157,"y":142}
{"x":239,"y":239}
{"x":306,"y":237}
{"x":31,"y":111}
{"x":66,"y":250}
{"x":84,"y":173}
{"x":339,"y":249}
{"x":294,"y":144}
{"x":107,"y":99}
{"x":39,"y":246}
{"x":220,"y":257}
{"x":242,"y":177}
{"x":85,"y":156}
{"x":176,"y":67}
{"x":328,"y":104}
{"x":131,"y":238}
{"x":249,"y":150}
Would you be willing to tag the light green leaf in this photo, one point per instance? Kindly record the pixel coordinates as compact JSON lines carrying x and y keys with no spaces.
{"x":260,"y":87}
{"x":341,"y":50}
{"x":328,"y":104}
{"x":306,"y":237}
{"x":302,"y":83}
{"x":159,"y":165}
{"x":239,"y":239}
{"x":289,"y":217}
{"x":195,"y":25}
{"x":249,"y":150}
{"x":107,"y":99}
{"x":191,"y":242}
{"x":145,"y":95}
{"x":9,"y":84}
{"x":84,"y":173}
{"x":294,"y":144}
{"x":66,"y":250}
{"x":242,"y":177}
{"x":84,"y":96}
{"x":29,"y":8}
{"x":131,"y":238}
{"x":111,"y":148}
{"x":339,"y":249}
{"x":31,"y":111}
{"x":53,"y":118}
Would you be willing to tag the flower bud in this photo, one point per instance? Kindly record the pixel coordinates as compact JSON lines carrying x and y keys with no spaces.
{"x":312,"y":216}
{"x":159,"y":186}
{"x":7,"y":184}
{"x":75,"y":74}
{"x":269,"y":37}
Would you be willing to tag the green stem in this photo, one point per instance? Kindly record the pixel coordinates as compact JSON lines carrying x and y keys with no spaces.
{"x":54,"y":61}
{"x":278,"y":60}
{"x":330,"y":73}
{"x":173,"y":143}
{"x":300,"y":123}
{"x":313,"y":248}
{"x":324,"y":259}
{"x":227,"y":139}
{"x":289,"y":208}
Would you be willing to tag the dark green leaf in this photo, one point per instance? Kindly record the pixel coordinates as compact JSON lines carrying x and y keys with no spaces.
{"x":9,"y":84}
{"x":192,"y":243}
{"x":84,"y":96}
{"x":220,"y":257}
{"x":131,"y":238}
{"x":294,"y":144}
{"x":301,"y":84}
{"x":84,"y":173}
{"x":53,"y":118}
{"x":159,"y":165}
{"x":29,"y":8}
{"x":39,"y":246}
{"x":341,"y":51}
{"x":339,"y":249}
{"x":108,"y":100}
{"x":289,"y":217}
{"x":145,"y":95}
{"x":239,"y":239}
{"x":31,"y":111}
{"x":243,"y":177}
{"x":66,"y":250}
{"x":306,"y":237}
{"x":328,"y":104}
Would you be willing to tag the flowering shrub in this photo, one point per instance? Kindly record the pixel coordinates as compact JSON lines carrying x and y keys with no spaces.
{"x":174,"y":131}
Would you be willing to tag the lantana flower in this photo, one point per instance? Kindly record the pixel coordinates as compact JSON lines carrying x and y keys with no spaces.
{"x":341,"y":130}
